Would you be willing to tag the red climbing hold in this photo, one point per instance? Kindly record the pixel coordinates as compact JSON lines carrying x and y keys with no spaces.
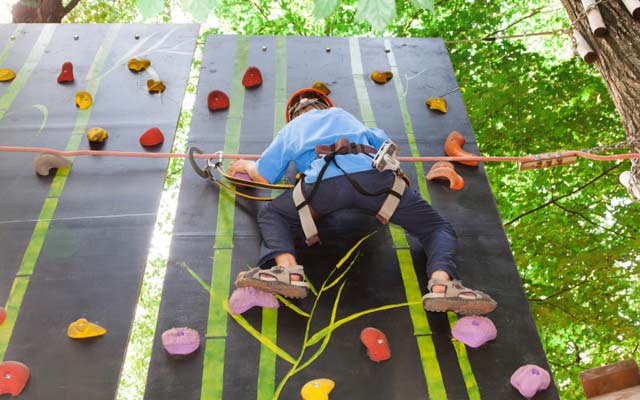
{"x":66,"y":75}
{"x":3,"y":315}
{"x":13,"y":377}
{"x":217,"y":100}
{"x":252,"y":77}
{"x":376,"y":344}
{"x":152,"y":137}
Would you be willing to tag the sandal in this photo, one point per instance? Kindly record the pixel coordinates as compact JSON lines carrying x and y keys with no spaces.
{"x":457,"y":298}
{"x":276,"y":280}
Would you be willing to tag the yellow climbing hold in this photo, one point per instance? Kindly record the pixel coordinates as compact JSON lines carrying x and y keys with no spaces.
{"x":6,"y":74}
{"x":83,"y":329}
{"x":321,"y":87}
{"x":97,"y":134}
{"x":83,"y":100}
{"x":136,"y":65}
{"x":154,"y":86}
{"x":437,"y":103}
{"x":381,"y":77}
{"x":317,"y":389}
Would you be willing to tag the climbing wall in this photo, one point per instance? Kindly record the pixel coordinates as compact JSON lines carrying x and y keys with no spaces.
{"x":265,"y":354}
{"x":74,"y":244}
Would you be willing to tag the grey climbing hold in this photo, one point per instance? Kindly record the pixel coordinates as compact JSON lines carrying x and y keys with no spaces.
{"x":45,"y":162}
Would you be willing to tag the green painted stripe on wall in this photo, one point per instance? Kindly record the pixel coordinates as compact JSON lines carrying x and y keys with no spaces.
{"x":213,"y":368}
{"x":14,"y":302}
{"x":9,"y":45}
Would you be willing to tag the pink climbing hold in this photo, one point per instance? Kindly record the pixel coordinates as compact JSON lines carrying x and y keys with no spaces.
{"x":181,"y":341}
{"x":245,"y":298}
{"x":241,"y":175}
{"x":66,"y":75}
{"x":474,"y":331}
{"x":530,"y":379}
{"x":152,"y":137}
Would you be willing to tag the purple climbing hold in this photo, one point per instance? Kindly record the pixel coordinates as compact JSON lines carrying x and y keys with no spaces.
{"x":245,"y":298}
{"x":181,"y":341}
{"x":474,"y":331}
{"x":530,"y":379}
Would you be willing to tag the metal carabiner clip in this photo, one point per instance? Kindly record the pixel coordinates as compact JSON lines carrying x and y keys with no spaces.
{"x":203,"y":172}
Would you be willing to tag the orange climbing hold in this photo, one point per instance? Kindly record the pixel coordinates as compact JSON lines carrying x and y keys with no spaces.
{"x":6,"y":74}
{"x":13,"y":377}
{"x":154,"y":86}
{"x":83,"y":329}
{"x":83,"y":100}
{"x":136,"y":65}
{"x":453,"y":148}
{"x":152,"y":137}
{"x":3,"y":315}
{"x":321,"y":87}
{"x":438,"y":104}
{"x":252,"y":78}
{"x":217,"y":100}
{"x":381,"y":77}
{"x":66,"y":75}
{"x":317,"y":389}
{"x":443,"y":170}
{"x":376,"y":343}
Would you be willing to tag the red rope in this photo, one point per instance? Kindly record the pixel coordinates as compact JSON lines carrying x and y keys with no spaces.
{"x":100,"y":153}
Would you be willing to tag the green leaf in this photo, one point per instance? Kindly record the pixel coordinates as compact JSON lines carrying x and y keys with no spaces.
{"x":428,"y":4}
{"x":150,"y":8}
{"x":324,"y":8}
{"x":199,"y":9}
{"x":379,"y":13}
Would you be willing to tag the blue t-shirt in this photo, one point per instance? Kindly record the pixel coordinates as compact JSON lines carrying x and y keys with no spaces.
{"x":297,"y":140}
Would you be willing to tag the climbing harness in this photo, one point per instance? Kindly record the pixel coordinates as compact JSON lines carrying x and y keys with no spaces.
{"x":383,"y":160}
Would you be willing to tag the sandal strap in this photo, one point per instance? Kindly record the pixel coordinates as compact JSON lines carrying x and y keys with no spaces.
{"x":281,"y":274}
{"x":454,"y":288}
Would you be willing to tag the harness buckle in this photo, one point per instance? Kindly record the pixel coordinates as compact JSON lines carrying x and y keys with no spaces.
{"x":385,"y":158}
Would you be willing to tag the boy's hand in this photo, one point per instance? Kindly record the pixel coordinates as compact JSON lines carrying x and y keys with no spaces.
{"x":241,"y":167}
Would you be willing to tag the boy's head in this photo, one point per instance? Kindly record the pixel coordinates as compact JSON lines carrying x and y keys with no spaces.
{"x":304,"y":100}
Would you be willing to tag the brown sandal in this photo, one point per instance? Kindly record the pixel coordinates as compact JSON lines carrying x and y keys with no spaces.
{"x":457,"y":298}
{"x":276,"y":280}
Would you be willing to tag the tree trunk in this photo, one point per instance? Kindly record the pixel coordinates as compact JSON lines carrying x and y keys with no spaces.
{"x":618,"y":59}
{"x":41,"y":11}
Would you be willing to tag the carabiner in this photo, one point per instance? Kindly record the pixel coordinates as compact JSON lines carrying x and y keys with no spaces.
{"x":203,"y":172}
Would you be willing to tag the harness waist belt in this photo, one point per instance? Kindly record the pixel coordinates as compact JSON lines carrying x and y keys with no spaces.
{"x":343,"y":146}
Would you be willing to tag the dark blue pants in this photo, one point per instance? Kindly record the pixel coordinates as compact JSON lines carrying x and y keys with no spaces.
{"x":279,"y":221}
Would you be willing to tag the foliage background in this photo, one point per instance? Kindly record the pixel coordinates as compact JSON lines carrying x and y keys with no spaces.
{"x":573,"y":230}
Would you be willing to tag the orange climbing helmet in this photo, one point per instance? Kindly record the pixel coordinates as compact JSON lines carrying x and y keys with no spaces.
{"x":305,"y":98}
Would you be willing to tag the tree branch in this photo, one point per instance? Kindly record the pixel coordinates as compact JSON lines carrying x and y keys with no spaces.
{"x":531,"y":14}
{"x":579,"y":188}
{"x":67,"y":9}
{"x":558,"y":293}
{"x":589,"y":221}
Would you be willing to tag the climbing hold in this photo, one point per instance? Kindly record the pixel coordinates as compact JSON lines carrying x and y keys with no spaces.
{"x":437,"y":103}
{"x":181,"y":341}
{"x":217,"y":100}
{"x":453,"y":148}
{"x":13,"y":377}
{"x":321,"y":87}
{"x":530,"y":379}
{"x":136,"y":65}
{"x":97,"y":135}
{"x":252,"y":77}
{"x":152,"y":137}
{"x":83,"y":329}
{"x":3,"y":315}
{"x":474,"y":331}
{"x":317,"y":389}
{"x":443,"y":170}
{"x":242,"y":299}
{"x":44,"y":163}
{"x":6,"y":74}
{"x":381,"y":77}
{"x":376,"y":343}
{"x":154,"y":86}
{"x":66,"y":75}
{"x":83,"y":100}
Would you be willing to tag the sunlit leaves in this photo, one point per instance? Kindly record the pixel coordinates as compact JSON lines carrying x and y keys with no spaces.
{"x":423,"y":4}
{"x":379,"y":13}
{"x":150,"y":8}
{"x":199,"y":9}
{"x":324,"y":8}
